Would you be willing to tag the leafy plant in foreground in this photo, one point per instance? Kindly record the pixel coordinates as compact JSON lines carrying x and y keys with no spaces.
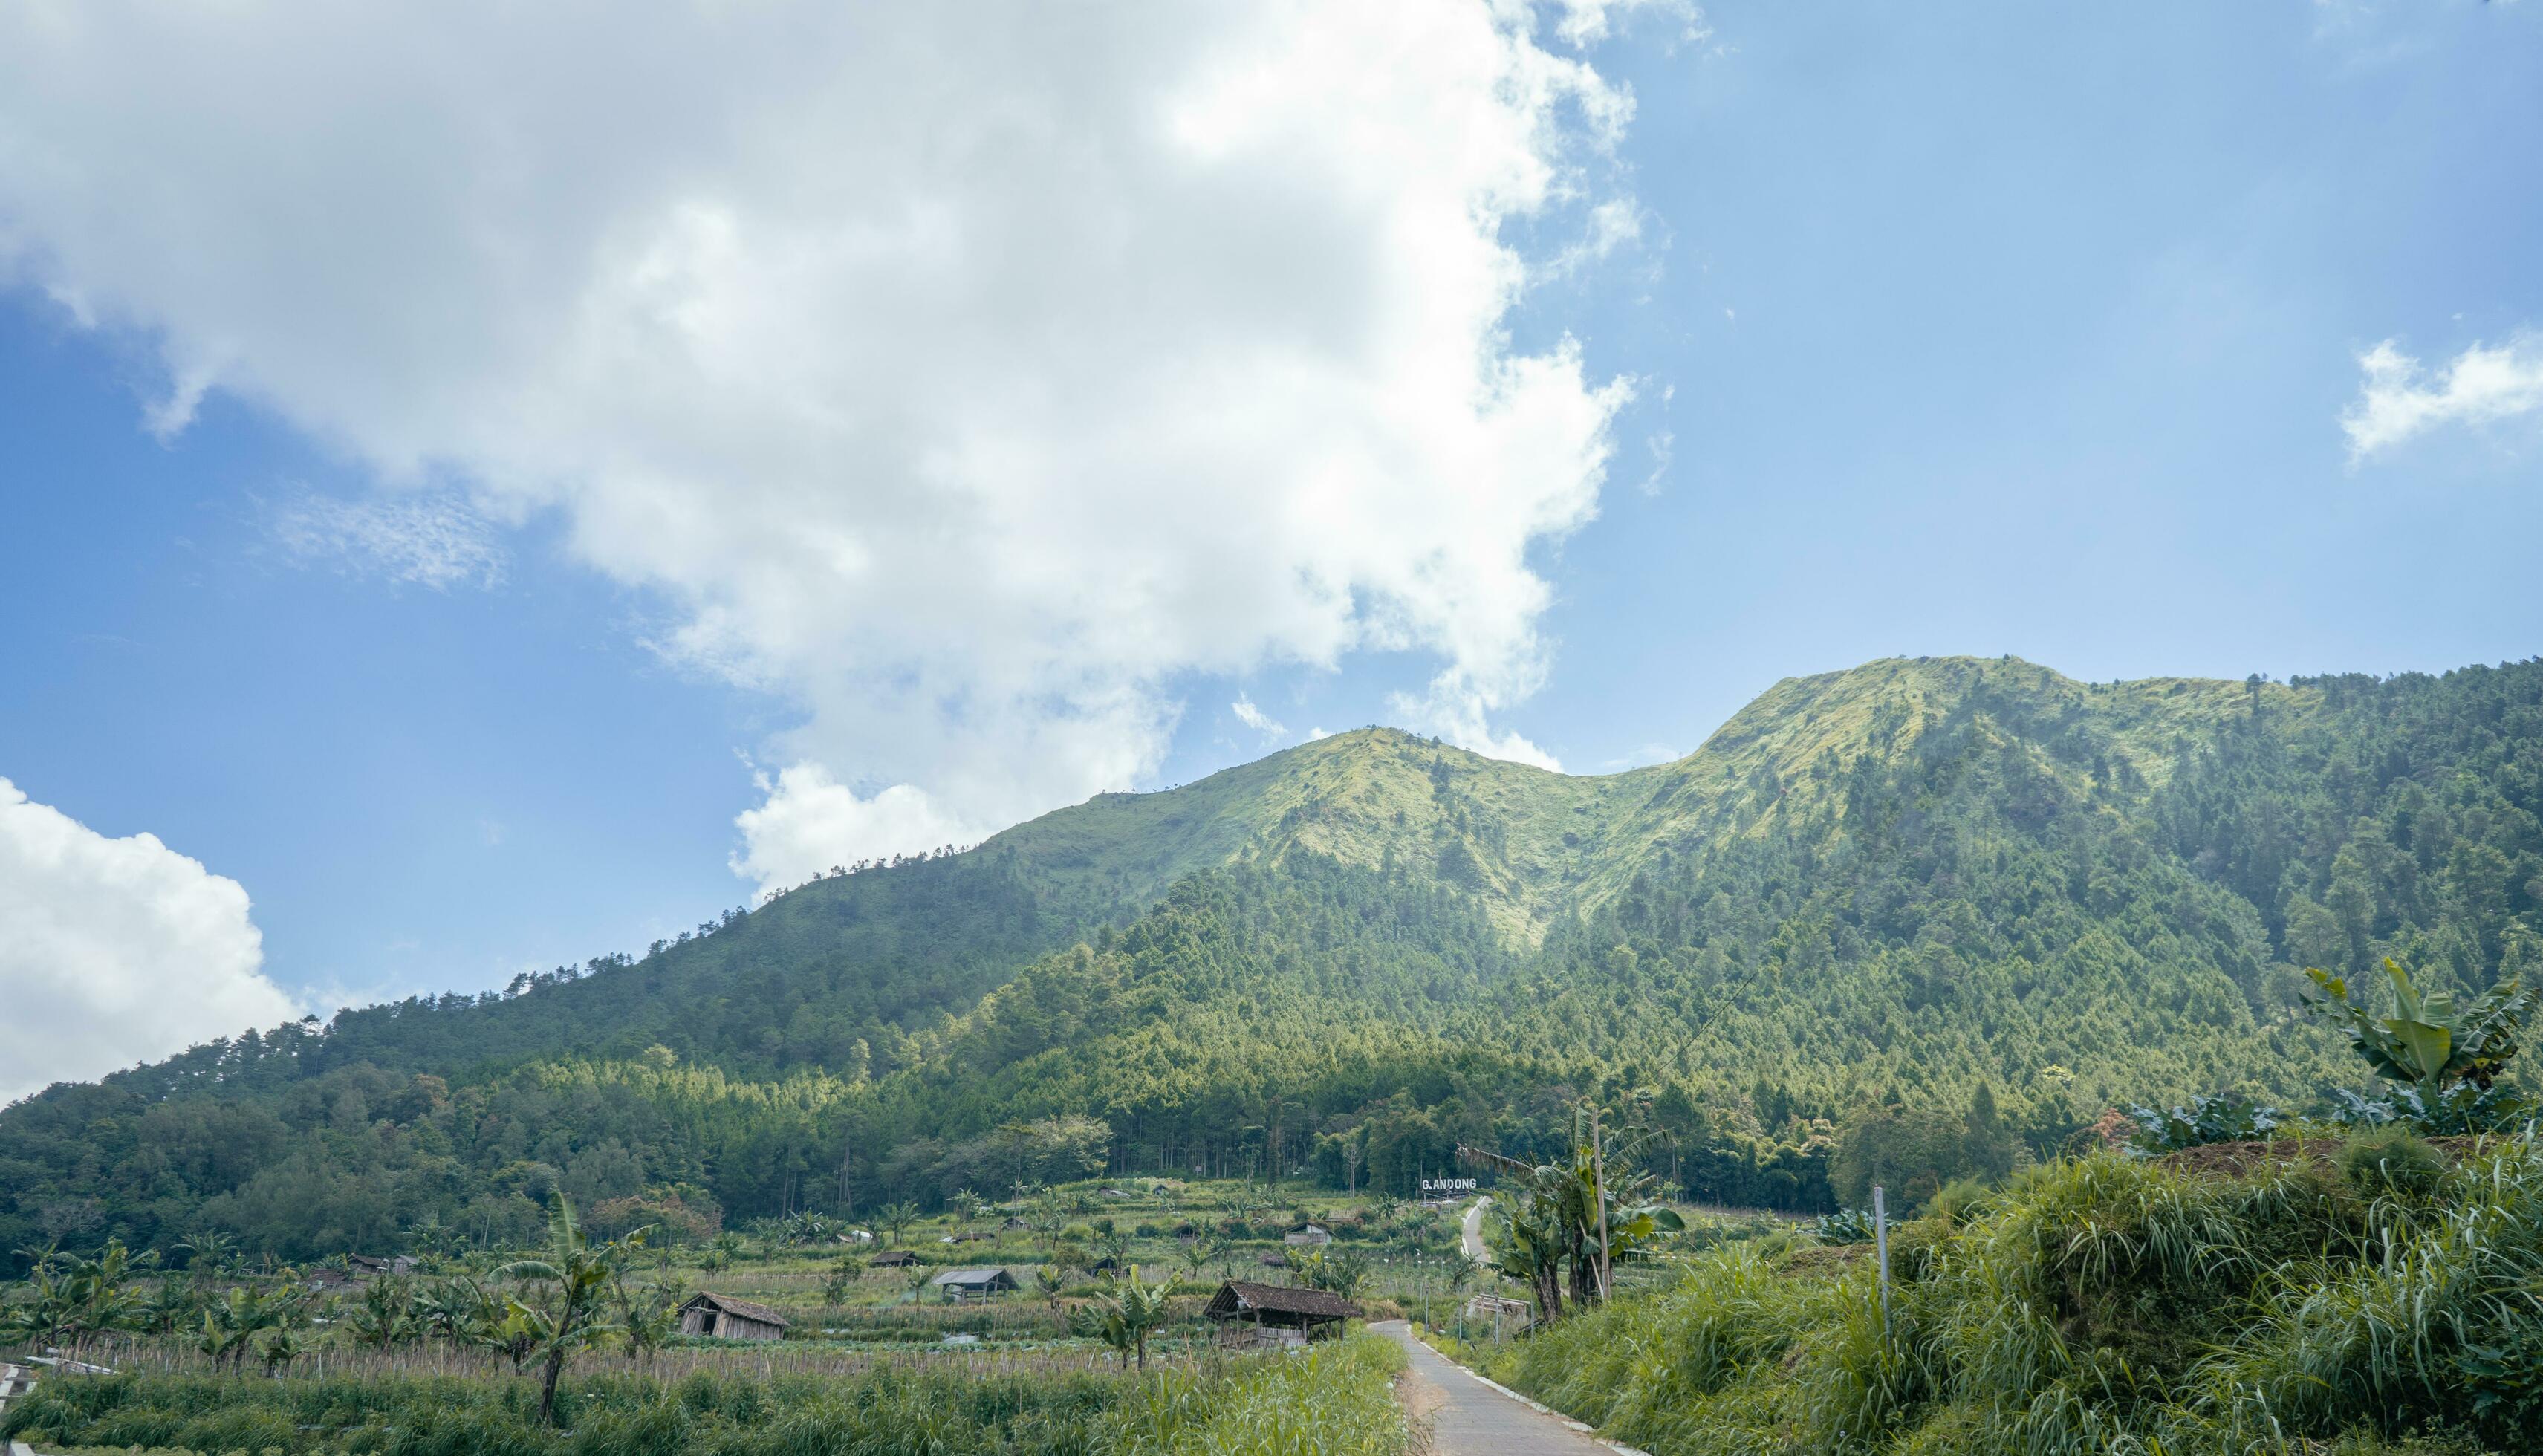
{"x":2444,"y":1062}
{"x":583,"y":1273}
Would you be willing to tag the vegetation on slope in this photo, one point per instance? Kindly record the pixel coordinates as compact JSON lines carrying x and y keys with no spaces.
{"x":1926,"y":915}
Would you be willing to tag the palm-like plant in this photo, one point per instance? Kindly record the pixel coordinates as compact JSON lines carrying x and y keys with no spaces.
{"x":386,"y":1315}
{"x":1585,"y":1214}
{"x":648,"y":1319}
{"x":580,"y":1273}
{"x":245,"y":1313}
{"x":1128,"y":1313}
{"x":2444,"y":1057}
{"x":897,"y":1218}
{"x":1199,"y":1252}
{"x":453,"y":1309}
{"x":208,"y":1250}
{"x":1050,"y":1279}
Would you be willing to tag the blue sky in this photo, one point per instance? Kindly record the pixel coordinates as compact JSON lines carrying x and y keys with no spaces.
{"x":2008,"y":328}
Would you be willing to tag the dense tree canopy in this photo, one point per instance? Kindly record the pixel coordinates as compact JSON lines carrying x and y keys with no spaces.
{"x":1931,"y":913}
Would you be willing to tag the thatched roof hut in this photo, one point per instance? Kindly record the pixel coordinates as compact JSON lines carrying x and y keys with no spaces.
{"x":726,"y":1318}
{"x":1277,"y":1314}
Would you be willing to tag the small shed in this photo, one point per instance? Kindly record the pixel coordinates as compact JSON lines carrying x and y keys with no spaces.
{"x":723,"y":1317}
{"x":1274,"y":1260}
{"x":1313,"y":1236}
{"x":893,"y":1258}
{"x":961,"y":1285}
{"x":364,"y":1267}
{"x":1250,"y":1315}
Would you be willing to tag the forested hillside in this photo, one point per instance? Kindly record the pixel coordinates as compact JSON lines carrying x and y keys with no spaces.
{"x":1934,"y":912}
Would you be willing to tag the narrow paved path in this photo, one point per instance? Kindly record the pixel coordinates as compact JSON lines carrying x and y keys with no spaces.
{"x":1470,"y":1416}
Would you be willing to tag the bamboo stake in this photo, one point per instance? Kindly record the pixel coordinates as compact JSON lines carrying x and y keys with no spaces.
{"x":1598,"y":1170}
{"x":1881,"y":1243}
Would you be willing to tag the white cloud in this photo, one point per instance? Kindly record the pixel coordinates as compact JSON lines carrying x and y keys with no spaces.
{"x":965,"y":372}
{"x":2480,"y":386}
{"x":434,"y":540}
{"x":1255,"y":718}
{"x":116,"y":950}
{"x":810,"y":822}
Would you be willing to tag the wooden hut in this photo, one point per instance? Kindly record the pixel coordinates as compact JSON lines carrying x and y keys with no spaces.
{"x":364,"y":1267}
{"x":1250,"y":1315}
{"x":1313,"y":1236}
{"x":961,"y":1285}
{"x":723,"y":1317}
{"x":893,"y":1258}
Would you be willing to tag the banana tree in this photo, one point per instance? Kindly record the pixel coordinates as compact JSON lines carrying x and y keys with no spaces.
{"x":2429,"y":1045}
{"x":1584,"y":1214}
{"x":1128,"y":1316}
{"x":582,"y":1272}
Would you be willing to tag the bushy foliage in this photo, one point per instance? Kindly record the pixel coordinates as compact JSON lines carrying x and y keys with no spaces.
{"x":1845,"y":1226}
{"x":2218,"y":1117}
{"x":2109,"y":1305}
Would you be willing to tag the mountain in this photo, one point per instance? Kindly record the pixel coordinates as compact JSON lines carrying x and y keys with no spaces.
{"x":1924,"y":911}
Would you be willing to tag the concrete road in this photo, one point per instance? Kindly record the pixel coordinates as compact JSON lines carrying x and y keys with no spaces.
{"x":1470,"y":1415}
{"x":1473,"y":1230}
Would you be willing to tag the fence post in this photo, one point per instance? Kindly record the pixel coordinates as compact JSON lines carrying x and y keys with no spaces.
{"x":1881,"y":1244}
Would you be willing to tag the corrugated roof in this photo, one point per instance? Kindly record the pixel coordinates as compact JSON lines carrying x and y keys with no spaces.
{"x":970,"y":1277}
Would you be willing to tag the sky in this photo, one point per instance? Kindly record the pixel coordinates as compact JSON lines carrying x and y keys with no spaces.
{"x":482,"y":486}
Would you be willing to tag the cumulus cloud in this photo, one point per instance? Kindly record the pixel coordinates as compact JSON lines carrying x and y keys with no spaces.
{"x":965,"y":373}
{"x":116,"y":950}
{"x":2398,"y":400}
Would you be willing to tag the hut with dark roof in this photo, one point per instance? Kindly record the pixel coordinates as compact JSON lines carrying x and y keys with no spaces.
{"x":975,"y":1283}
{"x":723,"y":1317}
{"x":1250,"y":1315}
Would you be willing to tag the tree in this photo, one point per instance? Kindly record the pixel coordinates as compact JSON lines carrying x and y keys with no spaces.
{"x":1126,"y":1314}
{"x":841,"y":1281}
{"x":897,"y":1218}
{"x":1050,"y":1279}
{"x":1199,"y":1252}
{"x":386,"y":1315}
{"x":580,"y":1273}
{"x":2446,"y":1060}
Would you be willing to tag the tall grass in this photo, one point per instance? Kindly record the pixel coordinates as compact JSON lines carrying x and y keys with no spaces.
{"x":1335,"y":1402}
{"x":2104,"y":1306}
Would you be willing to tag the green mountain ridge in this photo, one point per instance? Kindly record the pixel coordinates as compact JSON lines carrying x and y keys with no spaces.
{"x":1891,"y":894}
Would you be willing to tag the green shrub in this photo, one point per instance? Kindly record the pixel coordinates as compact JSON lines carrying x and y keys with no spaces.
{"x":2387,"y":1304}
{"x":2391,"y":1161}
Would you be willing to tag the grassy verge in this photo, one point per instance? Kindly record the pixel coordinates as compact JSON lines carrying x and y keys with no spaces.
{"x":1337,"y":1398}
{"x":1335,"y":1402}
{"x":2103,"y":1306}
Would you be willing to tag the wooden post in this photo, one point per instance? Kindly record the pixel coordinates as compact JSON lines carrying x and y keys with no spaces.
{"x":1881,"y":1244}
{"x":1598,"y":1170}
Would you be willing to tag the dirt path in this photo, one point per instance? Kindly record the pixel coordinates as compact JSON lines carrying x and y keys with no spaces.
{"x":1470,"y":1416}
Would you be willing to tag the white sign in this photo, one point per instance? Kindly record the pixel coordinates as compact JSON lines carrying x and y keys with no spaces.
{"x":1447,"y":1184}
